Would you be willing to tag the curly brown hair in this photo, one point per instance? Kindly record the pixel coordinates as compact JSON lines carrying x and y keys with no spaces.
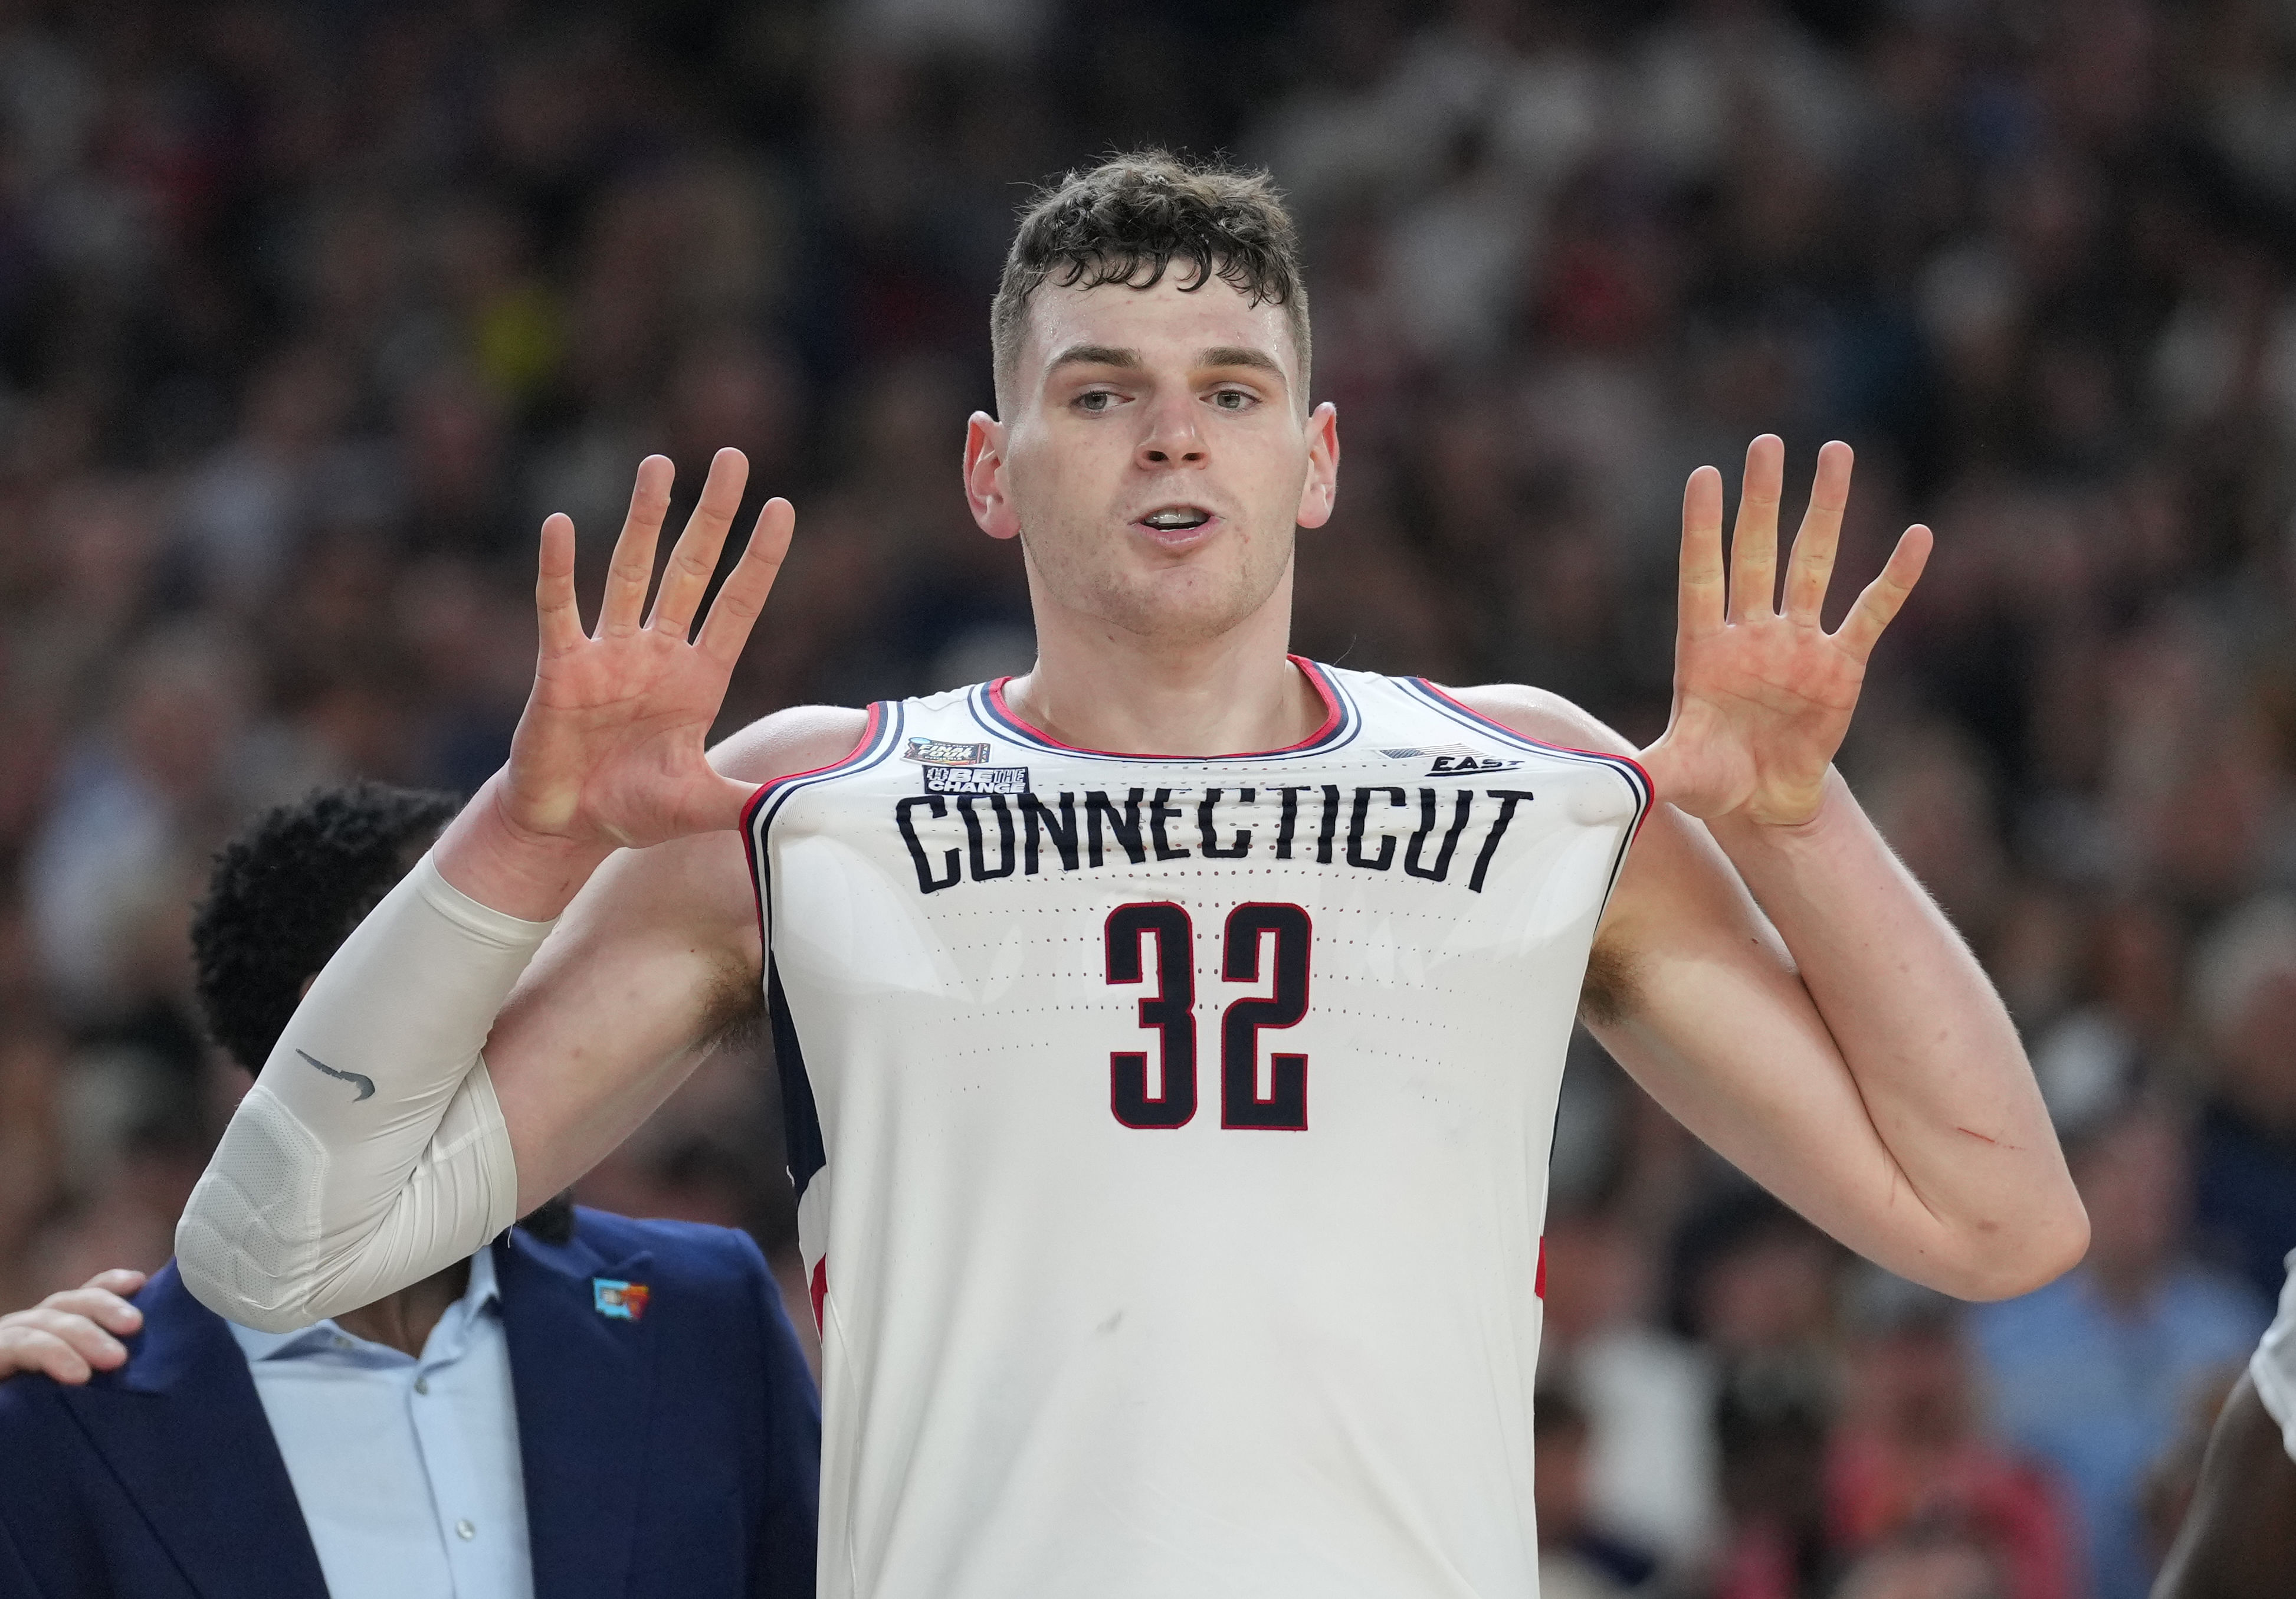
{"x":1130,"y":219}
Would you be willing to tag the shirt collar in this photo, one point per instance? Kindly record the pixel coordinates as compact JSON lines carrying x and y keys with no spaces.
{"x":481,"y":1293}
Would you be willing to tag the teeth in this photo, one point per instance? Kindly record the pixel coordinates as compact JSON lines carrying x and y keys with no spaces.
{"x":1168,"y":520}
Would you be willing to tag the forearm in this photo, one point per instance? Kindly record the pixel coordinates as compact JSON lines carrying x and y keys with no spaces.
{"x":372,"y":1150}
{"x":1933,"y":1051}
{"x":487,"y":856}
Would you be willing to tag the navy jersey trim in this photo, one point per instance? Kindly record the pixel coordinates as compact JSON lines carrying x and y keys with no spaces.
{"x":879,"y":738}
{"x":1637,"y":779}
{"x":1341,"y":724}
{"x":801,"y":1120}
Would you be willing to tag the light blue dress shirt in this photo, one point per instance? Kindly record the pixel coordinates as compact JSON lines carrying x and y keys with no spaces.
{"x":407,"y":1471}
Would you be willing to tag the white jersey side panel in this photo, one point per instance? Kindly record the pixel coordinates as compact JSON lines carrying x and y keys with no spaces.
{"x":1172,"y":1141}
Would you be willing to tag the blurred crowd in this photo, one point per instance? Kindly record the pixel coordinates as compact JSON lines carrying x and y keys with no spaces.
{"x":308,"y":313}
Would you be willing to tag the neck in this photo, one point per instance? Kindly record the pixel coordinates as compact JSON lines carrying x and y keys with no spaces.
{"x":404,"y":1319}
{"x":1100,"y":687}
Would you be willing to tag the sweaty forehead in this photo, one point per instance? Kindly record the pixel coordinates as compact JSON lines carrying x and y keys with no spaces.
{"x":1165,"y":324}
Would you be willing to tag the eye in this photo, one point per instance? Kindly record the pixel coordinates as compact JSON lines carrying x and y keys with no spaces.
{"x":1093,"y":402}
{"x":1233,"y":399}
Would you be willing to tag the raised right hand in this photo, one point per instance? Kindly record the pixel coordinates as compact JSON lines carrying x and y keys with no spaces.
{"x":69,"y":1335}
{"x":609,"y":753}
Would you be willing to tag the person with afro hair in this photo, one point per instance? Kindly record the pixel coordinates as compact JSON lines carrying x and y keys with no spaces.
{"x":585,"y":1395}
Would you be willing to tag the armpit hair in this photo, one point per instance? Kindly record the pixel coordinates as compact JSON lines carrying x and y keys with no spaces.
{"x":736,"y":1012}
{"x":1608,"y":993}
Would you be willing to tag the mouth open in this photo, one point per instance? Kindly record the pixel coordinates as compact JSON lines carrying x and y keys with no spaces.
{"x":1176,"y":524}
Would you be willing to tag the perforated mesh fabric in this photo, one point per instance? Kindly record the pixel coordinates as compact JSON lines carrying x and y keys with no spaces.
{"x":372,"y":1151}
{"x":247,"y":1240}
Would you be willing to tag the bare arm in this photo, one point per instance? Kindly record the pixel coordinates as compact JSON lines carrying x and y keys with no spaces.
{"x":656,"y":956}
{"x":2239,"y":1538}
{"x":496,"y":1047}
{"x":1772,"y":974}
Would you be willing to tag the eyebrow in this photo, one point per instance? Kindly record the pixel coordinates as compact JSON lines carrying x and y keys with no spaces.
{"x":1239,"y":355}
{"x":1097,"y":355}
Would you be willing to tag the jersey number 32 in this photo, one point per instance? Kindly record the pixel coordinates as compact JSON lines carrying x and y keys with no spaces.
{"x":1171,"y":1012}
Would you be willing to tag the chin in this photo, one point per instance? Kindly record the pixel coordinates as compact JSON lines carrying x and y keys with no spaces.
{"x":1188,"y":611}
{"x":1202,"y":595}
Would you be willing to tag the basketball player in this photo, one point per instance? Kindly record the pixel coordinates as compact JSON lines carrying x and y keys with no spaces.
{"x":1170,"y":1124}
{"x":2238,"y":1539}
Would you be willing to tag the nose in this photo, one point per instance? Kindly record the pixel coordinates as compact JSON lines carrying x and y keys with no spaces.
{"x":1171,"y":439}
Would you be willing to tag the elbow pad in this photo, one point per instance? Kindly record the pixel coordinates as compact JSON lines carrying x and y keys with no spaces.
{"x":371,"y":1152}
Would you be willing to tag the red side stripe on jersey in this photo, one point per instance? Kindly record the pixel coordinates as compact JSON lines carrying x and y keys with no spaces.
{"x":821,"y":1284}
{"x":860,"y":746}
{"x":1308,"y":670}
{"x":1537,"y":1287}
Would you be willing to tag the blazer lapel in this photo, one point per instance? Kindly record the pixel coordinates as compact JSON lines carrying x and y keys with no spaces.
{"x":183,"y":1431}
{"x":584,"y":1380}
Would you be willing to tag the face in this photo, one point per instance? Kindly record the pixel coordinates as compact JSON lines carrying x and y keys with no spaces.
{"x":1156,"y":459}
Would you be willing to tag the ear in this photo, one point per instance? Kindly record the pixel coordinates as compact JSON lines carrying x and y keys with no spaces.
{"x":1321,"y":491}
{"x":984,"y":477}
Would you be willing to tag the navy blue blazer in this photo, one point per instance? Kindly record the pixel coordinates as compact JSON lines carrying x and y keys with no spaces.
{"x":677,"y":1453}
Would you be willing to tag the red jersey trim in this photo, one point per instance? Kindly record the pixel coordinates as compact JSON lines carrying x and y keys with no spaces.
{"x":1334,"y":718}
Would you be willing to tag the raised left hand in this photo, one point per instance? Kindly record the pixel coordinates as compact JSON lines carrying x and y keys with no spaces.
{"x":1762,"y":695}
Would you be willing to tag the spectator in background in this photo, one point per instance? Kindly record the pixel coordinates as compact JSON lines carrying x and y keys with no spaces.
{"x":1927,"y":1567}
{"x":2092,"y":1372}
{"x":504,"y":1427}
{"x":2245,"y":1187}
{"x":1773,"y":1415}
{"x":1579,"y":1558}
{"x":1750,"y":1276}
{"x":359,"y":295}
{"x":1911,"y":1470}
{"x":1640,"y":1397}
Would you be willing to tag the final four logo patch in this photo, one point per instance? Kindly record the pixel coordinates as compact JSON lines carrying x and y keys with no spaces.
{"x":941,"y":752}
{"x":624,"y":1302}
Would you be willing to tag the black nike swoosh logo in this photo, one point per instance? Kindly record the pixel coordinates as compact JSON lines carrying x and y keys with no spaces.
{"x":366,"y":1083}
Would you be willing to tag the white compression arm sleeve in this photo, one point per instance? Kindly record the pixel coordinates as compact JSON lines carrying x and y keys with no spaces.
{"x":371,"y":1152}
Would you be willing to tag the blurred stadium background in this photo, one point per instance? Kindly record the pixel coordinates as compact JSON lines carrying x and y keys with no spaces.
{"x":309,"y":313}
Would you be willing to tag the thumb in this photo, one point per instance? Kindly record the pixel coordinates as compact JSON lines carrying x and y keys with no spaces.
{"x":727,"y":802}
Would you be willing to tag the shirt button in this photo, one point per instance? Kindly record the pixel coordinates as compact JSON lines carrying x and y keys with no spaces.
{"x":422,"y":1386}
{"x":465,"y":1531}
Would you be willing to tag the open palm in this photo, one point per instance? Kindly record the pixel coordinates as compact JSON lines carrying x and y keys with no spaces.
{"x":1763,"y":694}
{"x":610,"y":750}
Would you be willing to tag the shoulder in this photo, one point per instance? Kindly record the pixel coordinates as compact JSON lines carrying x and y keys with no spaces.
{"x":1538,"y":715}
{"x":30,"y":1405}
{"x":799,"y":739}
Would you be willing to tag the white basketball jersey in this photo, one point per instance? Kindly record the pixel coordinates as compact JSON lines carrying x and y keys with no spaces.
{"x":1171,"y":1137}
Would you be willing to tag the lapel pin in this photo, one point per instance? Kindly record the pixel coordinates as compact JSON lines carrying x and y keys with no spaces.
{"x":624,"y":1302}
